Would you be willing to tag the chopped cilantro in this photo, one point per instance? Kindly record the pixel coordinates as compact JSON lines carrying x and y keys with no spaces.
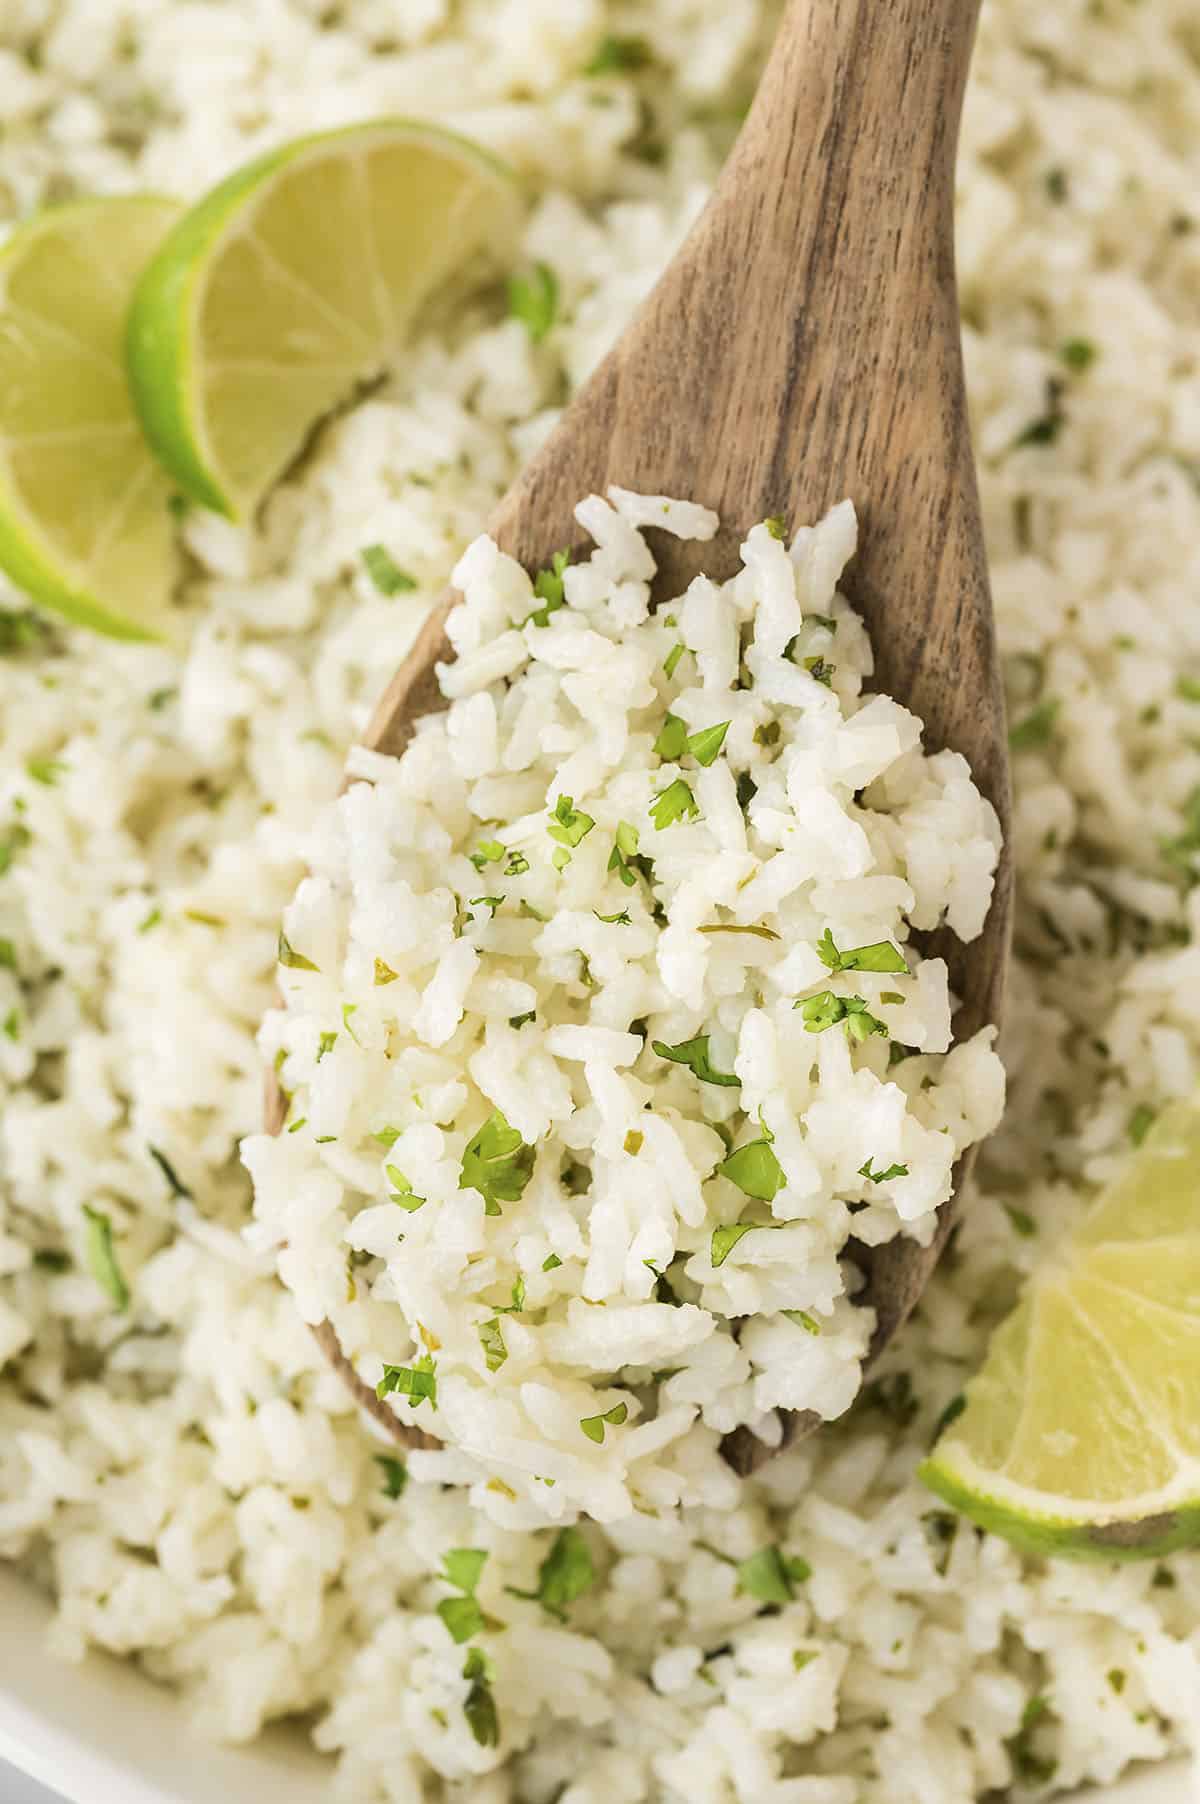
{"x":705,"y":745}
{"x":46,"y":771}
{"x":1187,"y":689}
{"x":295,"y":1126}
{"x":1078,"y":354}
{"x":621,"y":919}
{"x":550,"y":589}
{"x":387,"y":1137}
{"x":462,"y":1617}
{"x":593,"y":1426}
{"x":491,"y":1339}
{"x":52,"y":1259}
{"x":772,"y":1576}
{"x":517,"y":1298}
{"x":825,"y":1010}
{"x":569,"y":826}
{"x":529,"y":912}
{"x":383,"y":974}
{"x":488,"y":851}
{"x":519,"y":1021}
{"x":881,"y":956}
{"x":497,"y":1163}
{"x":290,"y":958}
{"x":463,"y":1567}
{"x":416,"y":1382}
{"x":776,"y":525}
{"x":395,"y":1475}
{"x":951,"y":1413}
{"x":672,"y":740}
{"x":326,"y":1044}
{"x":491,"y":903}
{"x":768,"y":734}
{"x":517,"y":864}
{"x":102,"y":1257}
{"x":671,"y":661}
{"x":1140,"y":1122}
{"x":13,"y":839}
{"x":725,"y":1239}
{"x":18,"y":631}
{"x":616,"y":55}
{"x":533,"y":299}
{"x":804,"y":1656}
{"x":756,"y":1172}
{"x":633,"y":1142}
{"x":402,"y":1190}
{"x":566,"y":1573}
{"x":694,"y":1054}
{"x":625,"y":853}
{"x":762,"y":933}
{"x":551,"y":1262}
{"x":151,"y":920}
{"x":174,"y":1182}
{"x":10,"y":1027}
{"x":480,"y":1705}
{"x":1030,"y":1766}
{"x":803,"y":1320}
{"x":387,"y":575}
{"x":675,"y":803}
{"x":8,"y":955}
{"x":820,"y":671}
{"x":1022,"y":1221}
{"x":882,"y":1177}
{"x":1037,"y":727}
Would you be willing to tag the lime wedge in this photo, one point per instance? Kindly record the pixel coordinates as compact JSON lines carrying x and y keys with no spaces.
{"x":84,"y":521}
{"x":290,"y":284}
{"x":1081,"y":1433}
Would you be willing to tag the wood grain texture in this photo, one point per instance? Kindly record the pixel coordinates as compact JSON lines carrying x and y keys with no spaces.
{"x":803,"y":347}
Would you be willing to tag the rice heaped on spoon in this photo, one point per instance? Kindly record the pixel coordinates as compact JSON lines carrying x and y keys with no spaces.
{"x":602,"y":1029}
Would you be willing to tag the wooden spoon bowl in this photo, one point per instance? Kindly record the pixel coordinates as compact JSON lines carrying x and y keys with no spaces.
{"x":803,"y":347}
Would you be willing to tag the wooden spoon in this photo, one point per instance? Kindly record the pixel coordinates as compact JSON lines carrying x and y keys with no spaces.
{"x":802,"y":347}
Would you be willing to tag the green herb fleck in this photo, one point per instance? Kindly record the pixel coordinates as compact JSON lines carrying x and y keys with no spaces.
{"x":694,"y":1054}
{"x":618,"y":55}
{"x":550,"y":589}
{"x":672,"y":740}
{"x":757,"y":1173}
{"x":533,"y":299}
{"x":825,"y":1010}
{"x":295,"y":1126}
{"x":725,"y":1239}
{"x":951,"y":1413}
{"x":705,"y":745}
{"x":569,"y":826}
{"x":671,"y":661}
{"x":402,"y":1190}
{"x":13,"y":839}
{"x":46,"y":771}
{"x":395,"y":1475}
{"x":416,"y":1382}
{"x":387,"y":576}
{"x":480,"y":1705}
{"x":1037,"y":727}
{"x":8,"y":955}
{"x":52,"y":1259}
{"x":387,"y":1137}
{"x":881,"y":956}
{"x":768,"y":734}
{"x":488,"y":851}
{"x":802,"y":1319}
{"x":566,"y":1574}
{"x":10,"y":1027}
{"x":383,"y":974}
{"x":102,"y":1257}
{"x":593,"y":1426}
{"x":551,"y":1262}
{"x":497,"y":1163}
{"x":1140,"y":1122}
{"x":776,"y":525}
{"x":1078,"y":354}
{"x":675,"y":803}
{"x":491,"y":1339}
{"x":289,"y":957}
{"x":621,"y":919}
{"x":326,"y":1043}
{"x":1022,"y":1221}
{"x":761,"y":933}
{"x":150,"y":921}
{"x":175,"y":1183}
{"x":491,"y":903}
{"x":772,"y":1576}
{"x":882,"y":1177}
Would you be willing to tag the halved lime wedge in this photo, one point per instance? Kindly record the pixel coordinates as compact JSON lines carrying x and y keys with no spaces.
{"x":84,"y":521}
{"x":291,"y":283}
{"x":1081,"y":1433}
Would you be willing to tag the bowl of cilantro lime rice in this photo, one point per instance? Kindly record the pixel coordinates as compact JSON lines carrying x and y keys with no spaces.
{"x":606,"y":1040}
{"x":610,"y":1025}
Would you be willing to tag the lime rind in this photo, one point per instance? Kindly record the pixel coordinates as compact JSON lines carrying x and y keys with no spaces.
{"x":27,"y":556}
{"x":1151,"y":1531}
{"x":162,"y":335}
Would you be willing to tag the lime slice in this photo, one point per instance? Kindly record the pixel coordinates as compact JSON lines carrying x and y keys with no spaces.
{"x":291,"y":283}
{"x":84,"y":521}
{"x":1081,"y":1434}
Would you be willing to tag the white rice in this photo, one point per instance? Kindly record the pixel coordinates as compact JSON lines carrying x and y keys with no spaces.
{"x":649,"y":890}
{"x":188,"y":1479}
